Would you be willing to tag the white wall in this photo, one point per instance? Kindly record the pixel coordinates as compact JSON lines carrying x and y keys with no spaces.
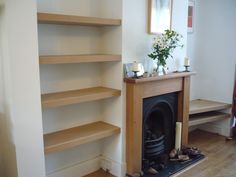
{"x":136,"y":40}
{"x":192,"y":52}
{"x":212,"y":48}
{"x":23,"y":140}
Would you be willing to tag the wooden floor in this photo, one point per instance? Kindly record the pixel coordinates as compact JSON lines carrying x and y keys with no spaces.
{"x":221,"y":156}
{"x":100,"y":173}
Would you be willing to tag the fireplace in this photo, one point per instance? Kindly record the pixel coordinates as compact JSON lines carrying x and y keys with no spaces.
{"x":159,"y":120}
{"x":146,"y":98}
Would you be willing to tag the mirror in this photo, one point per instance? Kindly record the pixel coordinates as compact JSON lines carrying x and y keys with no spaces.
{"x":159,"y":17}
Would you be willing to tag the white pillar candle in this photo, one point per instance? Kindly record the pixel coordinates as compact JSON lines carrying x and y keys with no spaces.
{"x":178,"y":135}
{"x":135,"y":66}
{"x":186,"y":61}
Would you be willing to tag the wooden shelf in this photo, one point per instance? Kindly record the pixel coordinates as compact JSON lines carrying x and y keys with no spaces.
{"x":47,"y":18}
{"x":72,"y":137}
{"x":78,"y":96}
{"x":201,"y":106}
{"x":63,"y":59}
{"x":203,"y":118}
{"x":99,"y":173}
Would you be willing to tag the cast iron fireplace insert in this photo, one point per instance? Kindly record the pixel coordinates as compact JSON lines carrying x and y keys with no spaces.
{"x":159,"y":120}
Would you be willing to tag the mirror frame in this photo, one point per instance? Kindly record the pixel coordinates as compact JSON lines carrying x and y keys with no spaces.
{"x":150,"y":16}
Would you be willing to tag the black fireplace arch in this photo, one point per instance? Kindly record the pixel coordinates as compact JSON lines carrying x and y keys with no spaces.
{"x":159,"y":119}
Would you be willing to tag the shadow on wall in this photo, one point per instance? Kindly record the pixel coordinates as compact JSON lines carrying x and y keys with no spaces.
{"x":1,"y":147}
{"x":8,"y":167}
{"x":1,"y":116}
{"x":7,"y":149}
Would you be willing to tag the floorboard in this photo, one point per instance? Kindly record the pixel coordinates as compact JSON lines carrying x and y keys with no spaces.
{"x":100,"y":173}
{"x":221,"y":156}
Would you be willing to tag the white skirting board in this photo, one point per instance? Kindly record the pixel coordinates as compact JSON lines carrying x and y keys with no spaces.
{"x":115,"y":168}
{"x":78,"y":170}
{"x":87,"y":167}
{"x":218,"y":129}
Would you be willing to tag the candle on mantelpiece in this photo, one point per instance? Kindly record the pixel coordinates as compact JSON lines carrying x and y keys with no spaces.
{"x":186,"y":61}
{"x":178,"y":135}
{"x":135,"y":67}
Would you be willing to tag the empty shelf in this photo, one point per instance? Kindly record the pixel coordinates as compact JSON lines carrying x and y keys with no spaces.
{"x":78,"y":96}
{"x":63,"y":59}
{"x":200,"y":106}
{"x":72,"y":137}
{"x":47,"y":18}
{"x":203,"y":118}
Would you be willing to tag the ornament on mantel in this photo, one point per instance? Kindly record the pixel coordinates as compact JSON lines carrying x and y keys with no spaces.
{"x":135,"y":69}
{"x":163,"y":47}
{"x":186,"y":64}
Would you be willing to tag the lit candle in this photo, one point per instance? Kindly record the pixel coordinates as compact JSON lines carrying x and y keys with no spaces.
{"x":135,"y":67}
{"x":186,"y":61}
{"x":178,"y":135}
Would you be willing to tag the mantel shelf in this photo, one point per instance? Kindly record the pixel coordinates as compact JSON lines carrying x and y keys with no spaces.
{"x":78,"y":96}
{"x":158,"y":78}
{"x":66,"y":59}
{"x":76,"y":136}
{"x":47,"y":18}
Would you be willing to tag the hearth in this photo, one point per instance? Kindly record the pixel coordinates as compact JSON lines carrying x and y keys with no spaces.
{"x":174,"y":167}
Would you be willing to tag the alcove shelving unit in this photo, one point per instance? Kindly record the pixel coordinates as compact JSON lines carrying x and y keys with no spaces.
{"x":206,"y":111}
{"x":76,"y":136}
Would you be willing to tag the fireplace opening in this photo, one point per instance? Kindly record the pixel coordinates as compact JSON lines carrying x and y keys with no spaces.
{"x":159,"y":119}
{"x":158,"y":138}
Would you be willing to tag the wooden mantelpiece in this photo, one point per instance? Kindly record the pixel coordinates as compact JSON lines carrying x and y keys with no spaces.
{"x":137,"y":90}
{"x":158,"y":78}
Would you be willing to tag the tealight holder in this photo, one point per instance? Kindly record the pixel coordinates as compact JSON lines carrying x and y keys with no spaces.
{"x":135,"y":74}
{"x":186,"y":68}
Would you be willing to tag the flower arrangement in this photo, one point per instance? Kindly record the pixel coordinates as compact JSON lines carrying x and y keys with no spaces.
{"x":164,"y":45}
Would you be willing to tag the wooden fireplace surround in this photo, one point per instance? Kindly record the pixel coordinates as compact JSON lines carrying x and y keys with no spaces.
{"x":136,"y":91}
